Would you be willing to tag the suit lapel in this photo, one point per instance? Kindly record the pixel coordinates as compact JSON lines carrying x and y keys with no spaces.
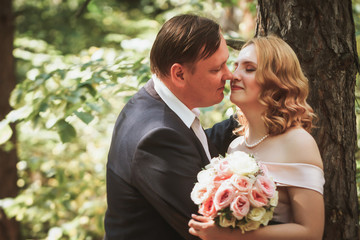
{"x":213,"y":150}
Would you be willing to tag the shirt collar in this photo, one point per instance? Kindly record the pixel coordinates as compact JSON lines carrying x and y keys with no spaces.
{"x":183,"y":112}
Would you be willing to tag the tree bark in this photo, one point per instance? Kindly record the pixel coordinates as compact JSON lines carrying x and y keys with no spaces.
{"x":322,"y":33}
{"x":9,"y":228}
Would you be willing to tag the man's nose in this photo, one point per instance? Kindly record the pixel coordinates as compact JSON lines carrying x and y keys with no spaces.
{"x":228,"y":74}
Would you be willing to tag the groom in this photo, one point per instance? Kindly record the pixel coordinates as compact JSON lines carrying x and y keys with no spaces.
{"x":158,"y":145}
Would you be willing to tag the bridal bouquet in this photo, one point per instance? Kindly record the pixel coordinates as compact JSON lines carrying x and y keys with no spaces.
{"x":236,"y":191}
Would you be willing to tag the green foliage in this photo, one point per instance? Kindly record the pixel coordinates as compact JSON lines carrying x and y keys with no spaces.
{"x":75,"y":73}
{"x":50,"y":95}
{"x":65,"y":110}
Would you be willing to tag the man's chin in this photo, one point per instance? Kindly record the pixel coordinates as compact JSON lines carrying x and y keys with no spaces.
{"x":221,"y":97}
{"x":219,"y":100}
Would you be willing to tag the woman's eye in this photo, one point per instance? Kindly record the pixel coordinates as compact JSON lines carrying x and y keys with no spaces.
{"x":250,"y":69}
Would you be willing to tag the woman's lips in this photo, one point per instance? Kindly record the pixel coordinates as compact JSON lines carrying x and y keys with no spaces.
{"x":236,"y":88}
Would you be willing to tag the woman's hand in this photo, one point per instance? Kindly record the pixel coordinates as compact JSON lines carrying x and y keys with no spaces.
{"x":205,"y":228}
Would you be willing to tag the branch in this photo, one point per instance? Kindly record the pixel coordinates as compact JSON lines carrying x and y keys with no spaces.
{"x":82,"y":9}
{"x":235,"y":43}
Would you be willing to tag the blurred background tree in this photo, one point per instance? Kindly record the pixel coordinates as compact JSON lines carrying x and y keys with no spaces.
{"x":9,"y":228}
{"x":77,"y":64}
{"x":322,"y":34}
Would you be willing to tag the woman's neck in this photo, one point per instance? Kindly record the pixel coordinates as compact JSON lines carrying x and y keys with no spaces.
{"x":256,"y":126}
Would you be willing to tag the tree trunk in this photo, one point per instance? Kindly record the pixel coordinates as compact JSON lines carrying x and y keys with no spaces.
{"x":322,"y":33}
{"x":9,"y":229}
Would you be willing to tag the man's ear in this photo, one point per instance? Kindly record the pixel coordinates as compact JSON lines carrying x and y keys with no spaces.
{"x":177,"y":74}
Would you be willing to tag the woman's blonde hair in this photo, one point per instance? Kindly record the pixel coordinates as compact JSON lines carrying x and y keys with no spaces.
{"x":284,"y":86}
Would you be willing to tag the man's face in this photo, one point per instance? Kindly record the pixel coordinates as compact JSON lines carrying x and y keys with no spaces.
{"x":205,"y":86}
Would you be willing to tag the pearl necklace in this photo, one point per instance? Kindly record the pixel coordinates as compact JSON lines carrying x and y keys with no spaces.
{"x":256,"y":143}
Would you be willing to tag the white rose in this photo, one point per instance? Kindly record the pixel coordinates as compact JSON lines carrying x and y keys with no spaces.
{"x":241,"y":163}
{"x":266,"y":218}
{"x":224,"y":222}
{"x":200,"y":193}
{"x":206,"y":176}
{"x":256,"y":214}
{"x":274,"y":199}
{"x":213,"y":161}
{"x":252,"y":225}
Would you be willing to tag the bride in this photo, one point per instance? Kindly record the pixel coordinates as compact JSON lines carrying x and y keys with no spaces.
{"x":271,"y":90}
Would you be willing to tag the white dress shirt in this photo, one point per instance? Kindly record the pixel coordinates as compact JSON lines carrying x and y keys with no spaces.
{"x":189,"y":117}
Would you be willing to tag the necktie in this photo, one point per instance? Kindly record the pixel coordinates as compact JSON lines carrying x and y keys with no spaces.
{"x":199,"y":132}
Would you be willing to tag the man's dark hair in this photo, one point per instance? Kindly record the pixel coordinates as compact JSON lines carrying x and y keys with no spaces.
{"x":184,"y":39}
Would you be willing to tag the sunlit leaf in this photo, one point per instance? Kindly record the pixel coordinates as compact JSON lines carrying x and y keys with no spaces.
{"x":88,"y":86}
{"x":66,"y":131}
{"x":84,"y":116}
{"x":94,"y":107}
{"x":5,"y":131}
{"x":43,"y":106}
{"x":20,"y":113}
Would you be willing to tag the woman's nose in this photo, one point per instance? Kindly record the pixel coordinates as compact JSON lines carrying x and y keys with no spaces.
{"x":236,"y":75}
{"x":228,"y":74}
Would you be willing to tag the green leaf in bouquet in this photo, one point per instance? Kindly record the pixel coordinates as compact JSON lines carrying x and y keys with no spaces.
{"x":84,"y":116}
{"x":65,"y":130}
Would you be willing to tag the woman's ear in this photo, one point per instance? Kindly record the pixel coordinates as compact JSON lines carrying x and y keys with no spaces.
{"x":177,"y":74}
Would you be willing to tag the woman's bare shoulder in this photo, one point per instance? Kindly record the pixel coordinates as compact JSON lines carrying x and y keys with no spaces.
{"x":301,"y":147}
{"x":236,"y":145}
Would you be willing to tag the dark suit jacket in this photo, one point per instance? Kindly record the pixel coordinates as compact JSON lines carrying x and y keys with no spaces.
{"x":152,"y":167}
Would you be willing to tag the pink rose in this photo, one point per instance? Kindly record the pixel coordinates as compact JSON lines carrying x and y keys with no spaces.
{"x":263,"y":168}
{"x":266,"y":186}
{"x":223,"y":170}
{"x":257,"y":198}
{"x":207,"y":208}
{"x":223,"y":173}
{"x":240,"y":206}
{"x":241,"y":183}
{"x":224,"y":196}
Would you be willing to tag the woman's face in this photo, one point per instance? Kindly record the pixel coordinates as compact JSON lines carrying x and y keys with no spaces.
{"x":244,"y":88}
